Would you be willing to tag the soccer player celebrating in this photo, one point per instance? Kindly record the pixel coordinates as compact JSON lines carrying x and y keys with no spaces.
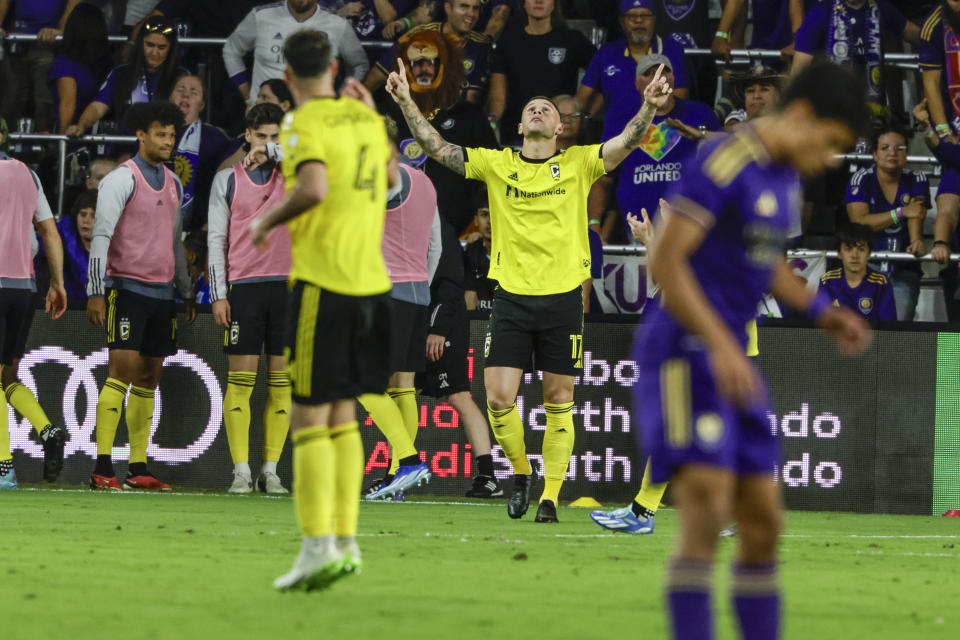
{"x":130,"y":284}
{"x":25,"y":208}
{"x":252,"y":310}
{"x":540,"y":255}
{"x":702,"y":403}
{"x":335,"y":157}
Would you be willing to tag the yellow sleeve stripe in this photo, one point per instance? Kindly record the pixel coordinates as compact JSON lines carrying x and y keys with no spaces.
{"x":834,"y":271}
{"x":729,"y":159}
{"x":931,"y":23}
{"x":877,"y":278}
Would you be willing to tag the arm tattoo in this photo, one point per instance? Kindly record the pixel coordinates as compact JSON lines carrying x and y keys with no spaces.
{"x":636,"y":129}
{"x":448,"y":154}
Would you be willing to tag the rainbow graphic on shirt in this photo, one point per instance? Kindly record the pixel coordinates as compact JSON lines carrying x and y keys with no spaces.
{"x":660,"y":140}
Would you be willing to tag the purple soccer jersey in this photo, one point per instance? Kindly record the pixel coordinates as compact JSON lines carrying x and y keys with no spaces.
{"x":746,"y":204}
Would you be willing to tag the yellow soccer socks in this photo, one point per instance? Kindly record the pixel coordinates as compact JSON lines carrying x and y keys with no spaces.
{"x":348,"y":465}
{"x":388,"y":418}
{"x":6,"y":456}
{"x":406,"y":401}
{"x":314,"y":481}
{"x":139,"y":417}
{"x":557,"y":447}
{"x":109,"y":410}
{"x":21,"y":399}
{"x":276,"y":416}
{"x":508,"y":430}
{"x":650,"y":495}
{"x":236,"y":413}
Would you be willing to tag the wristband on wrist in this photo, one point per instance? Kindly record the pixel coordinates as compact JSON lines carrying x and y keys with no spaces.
{"x":943,"y":242}
{"x":930,"y":133}
{"x":722,"y":34}
{"x":897,"y":215}
{"x":492,"y":117}
{"x":594,"y":221}
{"x":819,"y":305}
{"x":406,"y":21}
{"x":942,"y":127}
{"x":942,"y":134}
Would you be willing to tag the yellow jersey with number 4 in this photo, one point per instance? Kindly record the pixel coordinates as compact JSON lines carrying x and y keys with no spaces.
{"x":538,"y":216}
{"x":336,"y":244}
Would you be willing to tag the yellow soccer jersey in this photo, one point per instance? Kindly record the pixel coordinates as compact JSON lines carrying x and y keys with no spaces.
{"x":538,"y":216}
{"x":336,"y":244}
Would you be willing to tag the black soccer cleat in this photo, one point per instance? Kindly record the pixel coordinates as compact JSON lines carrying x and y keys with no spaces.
{"x":52,"y":438}
{"x":546,"y":512}
{"x":520,"y":497}
{"x":485,"y":487}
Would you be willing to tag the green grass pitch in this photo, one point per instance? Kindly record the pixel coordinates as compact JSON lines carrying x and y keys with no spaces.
{"x":78,"y":564}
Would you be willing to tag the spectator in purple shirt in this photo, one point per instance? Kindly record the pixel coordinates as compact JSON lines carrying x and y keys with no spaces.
{"x":76,"y":230}
{"x":380,"y":19}
{"x":80,"y":65}
{"x":151,"y":75}
{"x":25,"y":80}
{"x":893,"y":203}
{"x":855,"y":285}
{"x":850,"y":33}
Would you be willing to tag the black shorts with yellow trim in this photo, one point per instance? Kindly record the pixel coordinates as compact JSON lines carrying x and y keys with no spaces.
{"x":449,"y":374}
{"x":17,"y":307}
{"x":549,"y":328}
{"x":338,"y":346}
{"x":141,"y":323}
{"x":408,"y":336}
{"x":258,"y":319}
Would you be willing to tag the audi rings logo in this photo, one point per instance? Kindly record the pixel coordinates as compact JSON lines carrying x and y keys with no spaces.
{"x":82,"y":428}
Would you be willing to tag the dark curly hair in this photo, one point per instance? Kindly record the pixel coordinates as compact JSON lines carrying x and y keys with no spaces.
{"x":140,"y":116}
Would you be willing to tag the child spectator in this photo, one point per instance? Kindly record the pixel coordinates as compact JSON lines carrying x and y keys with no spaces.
{"x":76,"y":230}
{"x":855,"y":285}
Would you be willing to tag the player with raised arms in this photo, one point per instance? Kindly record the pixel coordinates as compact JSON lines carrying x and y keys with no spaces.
{"x":702,"y":404}
{"x":540,"y":255}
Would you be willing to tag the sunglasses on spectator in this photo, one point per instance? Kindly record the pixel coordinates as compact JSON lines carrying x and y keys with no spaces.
{"x":159,"y":27}
{"x":566,"y":117}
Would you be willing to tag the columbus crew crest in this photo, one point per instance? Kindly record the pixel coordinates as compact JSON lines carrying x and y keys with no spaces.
{"x":124,"y":329}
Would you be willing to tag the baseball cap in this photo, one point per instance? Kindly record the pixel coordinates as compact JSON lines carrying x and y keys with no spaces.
{"x":626,"y":5}
{"x":651,"y":61}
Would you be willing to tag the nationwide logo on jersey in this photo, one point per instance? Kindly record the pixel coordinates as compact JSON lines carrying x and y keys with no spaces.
{"x":866,"y":304}
{"x":124,"y":329}
{"x":660,"y":140}
{"x":556,"y":55}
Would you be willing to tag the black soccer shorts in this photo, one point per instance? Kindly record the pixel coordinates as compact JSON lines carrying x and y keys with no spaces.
{"x":258,"y":319}
{"x":338,"y":346}
{"x":550,"y":328}
{"x":16,"y":315}
{"x":141,"y":323}
{"x":449,"y":374}
{"x":408,"y":336}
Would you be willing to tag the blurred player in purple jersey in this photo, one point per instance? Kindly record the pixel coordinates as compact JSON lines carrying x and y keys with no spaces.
{"x":701,"y":402}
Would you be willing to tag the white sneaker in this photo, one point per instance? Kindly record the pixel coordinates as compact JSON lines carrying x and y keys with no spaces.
{"x":352,"y":560}
{"x":269,"y":482}
{"x":242,"y":483}
{"x":317,"y":566}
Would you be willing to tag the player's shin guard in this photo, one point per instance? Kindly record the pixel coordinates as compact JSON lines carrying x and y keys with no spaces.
{"x":5,"y":453}
{"x":557,"y":447}
{"x":276,"y":415}
{"x":389,"y":420}
{"x":348,"y":455}
{"x":688,"y":594}
{"x":314,"y":481}
{"x":756,"y":598}
{"x":109,"y":408}
{"x":508,"y":430}
{"x":21,"y":399}
{"x":139,"y":417}
{"x":651,"y":493}
{"x":236,"y":413}
{"x":406,"y":401}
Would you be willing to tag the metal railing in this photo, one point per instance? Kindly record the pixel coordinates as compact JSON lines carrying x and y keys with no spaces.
{"x":875,"y":256}
{"x":899,"y":60}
